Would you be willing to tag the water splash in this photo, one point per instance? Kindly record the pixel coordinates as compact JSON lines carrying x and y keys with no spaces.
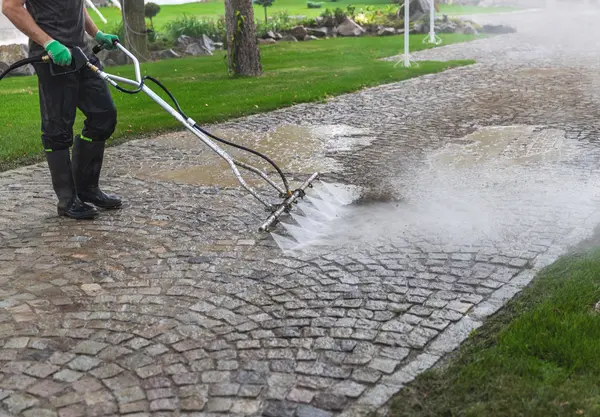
{"x":307,"y":223}
{"x":325,"y":195}
{"x":345,"y":194}
{"x":313,"y":217}
{"x":284,"y":243}
{"x":313,"y":212}
{"x":299,"y":233}
{"x":323,"y":206}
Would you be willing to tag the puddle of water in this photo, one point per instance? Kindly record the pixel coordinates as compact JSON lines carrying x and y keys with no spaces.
{"x":297,"y":149}
{"x":217,"y":173}
{"x":301,"y":148}
{"x":508,"y":145}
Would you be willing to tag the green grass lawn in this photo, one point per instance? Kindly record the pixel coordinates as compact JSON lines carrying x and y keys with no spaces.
{"x":538,"y":357}
{"x":293,"y":73}
{"x":214,"y":8}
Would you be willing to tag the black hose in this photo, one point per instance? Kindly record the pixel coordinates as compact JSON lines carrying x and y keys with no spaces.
{"x":21,"y":63}
{"x":224,"y":141}
{"x":137,"y":90}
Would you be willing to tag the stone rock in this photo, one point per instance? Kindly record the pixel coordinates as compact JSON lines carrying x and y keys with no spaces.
{"x":348,"y":388}
{"x":446,"y":27}
{"x":318,"y":32}
{"x":386,"y":32}
{"x":597,"y":307}
{"x":418,"y":9}
{"x":278,"y":36}
{"x":118,"y":57}
{"x":310,"y":411}
{"x":498,"y":29}
{"x":195,"y":49}
{"x":9,"y":54}
{"x":329,"y":401}
{"x":199,"y":260}
{"x":349,"y":28}
{"x":310,"y":38}
{"x":207,"y":43}
{"x":166,"y":54}
{"x":468,"y":29}
{"x":298,"y":32}
{"x":218,"y":45}
{"x":289,"y":38}
{"x":196,"y":46}
{"x":268,"y":41}
{"x":279,"y":409}
{"x":270,"y":34}
{"x":184,"y":40}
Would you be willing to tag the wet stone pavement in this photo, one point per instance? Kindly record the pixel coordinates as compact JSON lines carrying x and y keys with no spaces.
{"x":176,"y":306}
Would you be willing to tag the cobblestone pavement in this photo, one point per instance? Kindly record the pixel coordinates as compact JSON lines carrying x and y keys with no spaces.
{"x":176,"y":306}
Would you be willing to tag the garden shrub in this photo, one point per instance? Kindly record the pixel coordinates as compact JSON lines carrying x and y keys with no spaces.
{"x":279,"y":22}
{"x":195,"y":28}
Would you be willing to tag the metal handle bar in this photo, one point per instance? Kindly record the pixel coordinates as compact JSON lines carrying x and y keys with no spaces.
{"x":136,"y":63}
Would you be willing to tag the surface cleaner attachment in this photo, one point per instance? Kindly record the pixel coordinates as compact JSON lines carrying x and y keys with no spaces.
{"x":287,"y":204}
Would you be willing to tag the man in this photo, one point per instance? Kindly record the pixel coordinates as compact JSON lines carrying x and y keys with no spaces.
{"x":54,"y":27}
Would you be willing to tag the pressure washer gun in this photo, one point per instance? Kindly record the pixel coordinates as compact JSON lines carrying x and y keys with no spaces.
{"x":287,"y":196}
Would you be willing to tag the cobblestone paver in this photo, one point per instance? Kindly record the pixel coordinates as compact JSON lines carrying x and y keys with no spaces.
{"x":176,"y":306}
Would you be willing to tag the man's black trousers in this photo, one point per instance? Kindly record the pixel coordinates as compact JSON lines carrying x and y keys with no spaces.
{"x":62,"y":95}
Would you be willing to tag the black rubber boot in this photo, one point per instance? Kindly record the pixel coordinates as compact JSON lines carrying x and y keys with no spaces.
{"x":59,"y":163}
{"x":87,"y":164}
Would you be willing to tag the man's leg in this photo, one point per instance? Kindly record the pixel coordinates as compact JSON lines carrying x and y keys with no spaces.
{"x":96,"y":103}
{"x":58,"y":106}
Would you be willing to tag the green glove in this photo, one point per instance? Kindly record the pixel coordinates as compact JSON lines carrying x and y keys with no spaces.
{"x":107,"y":41}
{"x":59,"y":54}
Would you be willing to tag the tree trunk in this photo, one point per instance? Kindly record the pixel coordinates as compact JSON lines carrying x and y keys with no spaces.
{"x":242,"y":49}
{"x":265,"y":14}
{"x":134,"y":29}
